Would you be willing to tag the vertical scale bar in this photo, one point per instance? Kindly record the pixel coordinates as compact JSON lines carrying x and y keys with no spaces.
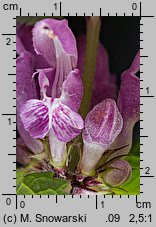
{"x":60,"y":9}
{"x":16,"y":201}
{"x":15,"y":109}
{"x":140,"y":10}
{"x":140,"y":100}
{"x":96,"y":202}
{"x":20,"y":12}
{"x":143,"y":175}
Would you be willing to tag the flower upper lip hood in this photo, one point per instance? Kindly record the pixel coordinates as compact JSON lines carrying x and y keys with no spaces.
{"x":55,"y":34}
{"x":54,"y":41}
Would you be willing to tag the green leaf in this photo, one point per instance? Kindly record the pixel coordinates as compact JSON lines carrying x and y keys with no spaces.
{"x":19,"y":177}
{"x":30,"y":20}
{"x":42,"y":183}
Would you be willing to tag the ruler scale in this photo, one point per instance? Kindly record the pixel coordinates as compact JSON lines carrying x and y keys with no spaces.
{"x":84,"y":210}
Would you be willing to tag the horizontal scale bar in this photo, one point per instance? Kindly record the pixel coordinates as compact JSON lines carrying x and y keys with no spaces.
{"x":146,"y":96}
{"x":8,"y":34}
{"x":9,"y":114}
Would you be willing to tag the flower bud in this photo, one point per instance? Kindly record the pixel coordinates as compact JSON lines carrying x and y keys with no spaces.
{"x":102,"y":125}
{"x":119,"y":171}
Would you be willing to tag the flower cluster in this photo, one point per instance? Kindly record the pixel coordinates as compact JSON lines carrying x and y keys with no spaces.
{"x":49,"y":94}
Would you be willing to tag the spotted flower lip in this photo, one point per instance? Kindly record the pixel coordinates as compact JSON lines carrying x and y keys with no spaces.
{"x":39,"y":116}
{"x":102,"y":125}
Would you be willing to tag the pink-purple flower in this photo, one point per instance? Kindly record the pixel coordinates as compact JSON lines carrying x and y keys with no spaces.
{"x":55,"y":109}
{"x":49,"y":94}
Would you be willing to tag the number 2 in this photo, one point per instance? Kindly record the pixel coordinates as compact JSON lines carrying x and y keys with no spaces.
{"x":8,"y":41}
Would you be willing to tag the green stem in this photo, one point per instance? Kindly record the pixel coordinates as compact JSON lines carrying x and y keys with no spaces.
{"x":46,"y":148}
{"x":93,"y":29}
